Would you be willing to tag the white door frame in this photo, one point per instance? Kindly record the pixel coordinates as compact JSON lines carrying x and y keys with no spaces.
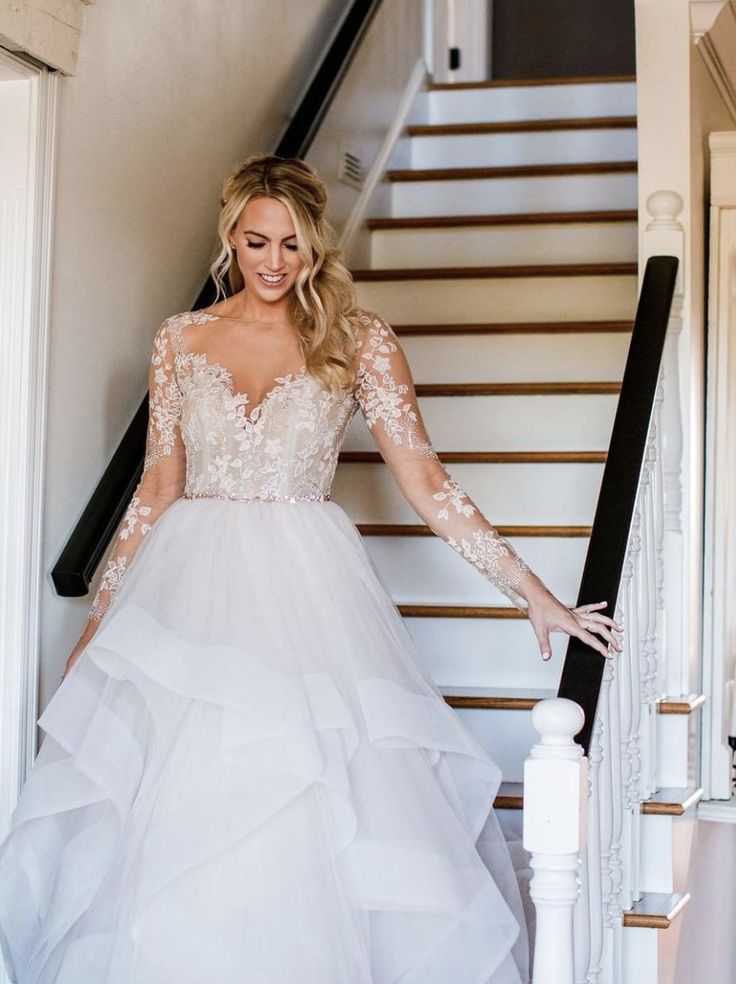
{"x":28,"y":99}
{"x":719,"y":628}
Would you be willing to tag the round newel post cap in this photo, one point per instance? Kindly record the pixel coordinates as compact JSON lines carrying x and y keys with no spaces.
{"x":557,"y":720}
{"x":664,"y":207}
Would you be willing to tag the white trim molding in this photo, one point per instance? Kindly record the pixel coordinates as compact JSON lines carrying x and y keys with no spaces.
{"x":26,"y":210}
{"x":703,"y":15}
{"x":352,"y":230}
{"x":46,"y":30}
{"x":713,"y":29}
{"x":719,"y":627}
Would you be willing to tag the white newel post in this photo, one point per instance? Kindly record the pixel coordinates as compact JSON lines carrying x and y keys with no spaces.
{"x":555,"y":800}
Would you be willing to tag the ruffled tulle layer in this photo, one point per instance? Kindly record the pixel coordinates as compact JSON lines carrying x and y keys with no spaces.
{"x":248,"y":778}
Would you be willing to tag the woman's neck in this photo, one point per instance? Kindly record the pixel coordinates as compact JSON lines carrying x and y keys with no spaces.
{"x":242,"y":307}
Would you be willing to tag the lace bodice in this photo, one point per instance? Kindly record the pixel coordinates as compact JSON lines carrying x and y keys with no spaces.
{"x":206,"y":439}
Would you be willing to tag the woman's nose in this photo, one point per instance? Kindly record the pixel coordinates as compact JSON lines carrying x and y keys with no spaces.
{"x":274,"y":256}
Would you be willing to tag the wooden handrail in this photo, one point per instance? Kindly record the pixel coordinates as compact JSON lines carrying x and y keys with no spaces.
{"x":88,"y":542}
{"x":583,"y":669}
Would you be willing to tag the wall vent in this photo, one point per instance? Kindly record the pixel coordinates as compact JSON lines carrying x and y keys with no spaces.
{"x":351,"y":169}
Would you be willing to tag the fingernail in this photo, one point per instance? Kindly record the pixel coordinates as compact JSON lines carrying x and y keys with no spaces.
{"x":545,"y":656}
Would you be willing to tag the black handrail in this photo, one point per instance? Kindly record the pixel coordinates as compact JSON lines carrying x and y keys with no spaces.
{"x":88,"y":542}
{"x":583,"y":670}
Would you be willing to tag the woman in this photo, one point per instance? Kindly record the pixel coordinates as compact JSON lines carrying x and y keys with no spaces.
{"x":247,"y":774}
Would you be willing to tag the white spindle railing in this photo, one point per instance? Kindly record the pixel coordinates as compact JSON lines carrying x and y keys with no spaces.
{"x":623,"y":754}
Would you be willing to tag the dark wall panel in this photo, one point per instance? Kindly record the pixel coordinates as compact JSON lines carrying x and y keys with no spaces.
{"x":557,"y":38}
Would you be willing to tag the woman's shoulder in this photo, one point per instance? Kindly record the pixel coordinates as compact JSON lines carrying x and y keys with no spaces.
{"x":172,"y":327}
{"x":368,"y":324}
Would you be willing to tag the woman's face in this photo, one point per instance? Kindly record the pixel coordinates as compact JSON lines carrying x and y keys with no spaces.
{"x":265,"y":244}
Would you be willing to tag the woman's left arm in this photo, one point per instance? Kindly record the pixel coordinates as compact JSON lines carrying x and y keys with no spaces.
{"x":385,"y":392}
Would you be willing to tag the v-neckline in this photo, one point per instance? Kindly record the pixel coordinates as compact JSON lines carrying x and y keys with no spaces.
{"x":241,"y":398}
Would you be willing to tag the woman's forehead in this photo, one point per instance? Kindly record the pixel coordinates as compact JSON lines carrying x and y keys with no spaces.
{"x":262,"y":213}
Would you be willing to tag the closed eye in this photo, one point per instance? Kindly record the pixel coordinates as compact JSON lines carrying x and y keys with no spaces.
{"x":290,"y":246}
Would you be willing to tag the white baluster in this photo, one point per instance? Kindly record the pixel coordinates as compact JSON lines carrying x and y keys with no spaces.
{"x":665,"y":235}
{"x":595,"y":890}
{"x":631,"y":653}
{"x":625,"y":724}
{"x":608,"y":803}
{"x":658,"y":498}
{"x":650,"y":685}
{"x":581,"y":919}
{"x":555,"y":786}
{"x":617,"y":811}
{"x":643,"y":607}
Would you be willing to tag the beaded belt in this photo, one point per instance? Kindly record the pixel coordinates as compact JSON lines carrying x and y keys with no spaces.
{"x":313,"y":497}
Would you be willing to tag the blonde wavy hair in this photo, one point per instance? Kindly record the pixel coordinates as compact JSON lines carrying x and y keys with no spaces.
{"x":322,"y":304}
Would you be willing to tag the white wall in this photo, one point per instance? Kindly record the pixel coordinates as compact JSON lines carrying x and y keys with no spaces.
{"x":366,"y":106}
{"x":167,"y":97}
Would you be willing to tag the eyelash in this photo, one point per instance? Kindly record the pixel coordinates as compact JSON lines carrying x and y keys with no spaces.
{"x":261,"y":245}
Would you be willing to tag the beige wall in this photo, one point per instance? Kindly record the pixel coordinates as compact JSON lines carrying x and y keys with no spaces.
{"x":167,"y":96}
{"x":368,"y":102}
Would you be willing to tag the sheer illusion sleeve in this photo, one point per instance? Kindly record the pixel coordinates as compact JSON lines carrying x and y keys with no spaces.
{"x":162,"y":481}
{"x":385,"y":393}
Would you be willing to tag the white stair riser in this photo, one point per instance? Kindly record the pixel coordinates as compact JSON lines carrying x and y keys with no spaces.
{"x":677,"y":735}
{"x":656,"y":873}
{"x":584,"y":242}
{"x":505,"y":196}
{"x":506,"y":736}
{"x":548,"y":102}
{"x":508,"y":423}
{"x":507,"y":494}
{"x":514,"y":299}
{"x":466,"y":652}
{"x":546,"y":147}
{"x":424,"y":570}
{"x":641,"y":954}
{"x":516,"y":358}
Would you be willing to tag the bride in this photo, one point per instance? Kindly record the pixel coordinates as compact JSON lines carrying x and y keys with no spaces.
{"x":247,"y":775}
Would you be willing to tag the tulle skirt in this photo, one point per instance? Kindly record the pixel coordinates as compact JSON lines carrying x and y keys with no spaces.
{"x":249,"y":778}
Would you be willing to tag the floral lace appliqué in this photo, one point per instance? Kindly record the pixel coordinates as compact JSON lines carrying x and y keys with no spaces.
{"x":382,"y":398}
{"x":487,"y":551}
{"x":453,"y":495}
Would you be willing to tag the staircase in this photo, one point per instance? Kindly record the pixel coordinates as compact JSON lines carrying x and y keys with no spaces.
{"x":508,"y":267}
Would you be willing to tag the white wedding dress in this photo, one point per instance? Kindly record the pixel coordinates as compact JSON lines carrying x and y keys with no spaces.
{"x":248,"y":777}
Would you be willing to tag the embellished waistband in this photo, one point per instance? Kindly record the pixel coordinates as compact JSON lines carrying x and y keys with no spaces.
{"x":308,"y":497}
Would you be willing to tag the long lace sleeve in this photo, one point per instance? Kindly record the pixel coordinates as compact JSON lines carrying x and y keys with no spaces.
{"x":385,"y":393}
{"x":163,"y":475}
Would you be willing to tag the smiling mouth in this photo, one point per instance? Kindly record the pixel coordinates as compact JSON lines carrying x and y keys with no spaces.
{"x":272,"y":281}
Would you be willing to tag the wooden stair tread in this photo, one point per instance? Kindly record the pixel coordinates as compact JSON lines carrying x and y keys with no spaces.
{"x":460,"y":611}
{"x":510,"y":171}
{"x":665,"y":802}
{"x":510,"y":796}
{"x":519,"y":328}
{"x":494,"y":699}
{"x":522,"y":126}
{"x":493,"y":457}
{"x":519,"y":83}
{"x":418,"y":529}
{"x":497,"y":272}
{"x":497,"y":698}
{"x":514,"y":218}
{"x":672,"y":801}
{"x":656,"y":910}
{"x":685,"y":704}
{"x":578,"y":388}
